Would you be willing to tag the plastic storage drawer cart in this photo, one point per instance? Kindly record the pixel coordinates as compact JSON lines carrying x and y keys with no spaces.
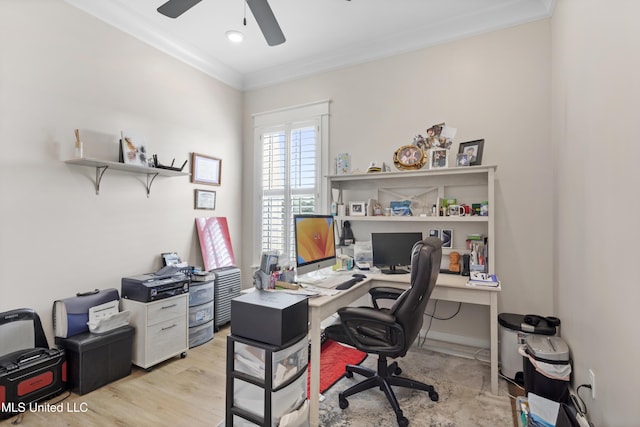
{"x":201,"y":313}
{"x":266,"y":382}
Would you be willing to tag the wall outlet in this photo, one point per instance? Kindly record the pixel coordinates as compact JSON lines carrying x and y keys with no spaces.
{"x":592,"y":381}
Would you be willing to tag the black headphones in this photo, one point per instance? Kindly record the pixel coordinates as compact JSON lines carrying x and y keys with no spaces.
{"x":534,"y":319}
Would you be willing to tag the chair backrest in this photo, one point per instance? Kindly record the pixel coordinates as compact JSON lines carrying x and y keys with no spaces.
{"x":409,"y":307}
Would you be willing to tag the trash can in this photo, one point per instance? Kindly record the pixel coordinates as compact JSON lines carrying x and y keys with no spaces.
{"x":513,"y":331}
{"x":547,"y":367}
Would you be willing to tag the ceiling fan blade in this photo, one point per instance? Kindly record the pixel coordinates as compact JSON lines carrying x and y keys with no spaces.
{"x":266,"y":21}
{"x":175,"y":8}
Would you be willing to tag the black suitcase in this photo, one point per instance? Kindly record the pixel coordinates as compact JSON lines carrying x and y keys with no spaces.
{"x":29,"y":370}
{"x":29,"y":376}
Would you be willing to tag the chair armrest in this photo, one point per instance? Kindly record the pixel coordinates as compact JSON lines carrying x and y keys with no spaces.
{"x":372,"y":330}
{"x":384,"y":293}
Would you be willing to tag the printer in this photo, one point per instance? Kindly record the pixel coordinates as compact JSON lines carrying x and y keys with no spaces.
{"x":152,"y":287}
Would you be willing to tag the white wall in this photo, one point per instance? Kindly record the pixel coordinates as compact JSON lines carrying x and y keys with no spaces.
{"x":495,"y":86}
{"x":596,"y":101}
{"x":62,"y":69}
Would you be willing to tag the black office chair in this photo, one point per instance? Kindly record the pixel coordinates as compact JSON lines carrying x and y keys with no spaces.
{"x":390,"y":332}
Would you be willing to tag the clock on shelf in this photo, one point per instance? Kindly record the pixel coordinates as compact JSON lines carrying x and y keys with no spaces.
{"x":409,"y":157}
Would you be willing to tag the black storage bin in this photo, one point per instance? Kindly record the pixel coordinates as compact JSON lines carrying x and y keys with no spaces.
{"x":94,"y":360}
{"x":513,"y":331}
{"x":270,"y":317}
{"x":549,"y":350}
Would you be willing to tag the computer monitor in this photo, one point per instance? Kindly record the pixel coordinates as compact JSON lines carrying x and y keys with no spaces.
{"x":315,"y":242}
{"x":392,"y":250}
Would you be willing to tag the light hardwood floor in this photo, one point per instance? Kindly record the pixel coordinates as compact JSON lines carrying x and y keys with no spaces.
{"x":177,"y":392}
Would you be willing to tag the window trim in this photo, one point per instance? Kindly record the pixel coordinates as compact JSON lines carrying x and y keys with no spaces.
{"x":317,"y":112}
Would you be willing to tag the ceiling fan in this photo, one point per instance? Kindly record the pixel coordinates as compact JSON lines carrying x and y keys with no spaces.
{"x":260,"y":9}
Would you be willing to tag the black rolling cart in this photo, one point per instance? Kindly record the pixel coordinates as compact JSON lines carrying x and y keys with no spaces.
{"x":267,"y":360}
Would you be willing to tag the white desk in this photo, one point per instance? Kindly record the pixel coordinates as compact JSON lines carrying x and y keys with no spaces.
{"x":448,"y":288}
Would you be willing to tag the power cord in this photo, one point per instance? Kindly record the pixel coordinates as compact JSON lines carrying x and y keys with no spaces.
{"x":581,"y":407}
{"x":433,"y":316}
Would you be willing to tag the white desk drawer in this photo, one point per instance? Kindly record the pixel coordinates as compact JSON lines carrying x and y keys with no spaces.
{"x":166,"y":338}
{"x":166,"y":309}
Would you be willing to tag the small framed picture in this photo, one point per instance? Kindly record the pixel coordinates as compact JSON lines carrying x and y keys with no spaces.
{"x":205,"y":199}
{"x":205,"y":169}
{"x":357,"y":209}
{"x":434,"y":232}
{"x":438,"y":158}
{"x":463,"y":159}
{"x":447,"y":238}
{"x":474,"y":150}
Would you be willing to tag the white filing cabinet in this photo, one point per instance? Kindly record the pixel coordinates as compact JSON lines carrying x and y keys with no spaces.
{"x":161,"y":329}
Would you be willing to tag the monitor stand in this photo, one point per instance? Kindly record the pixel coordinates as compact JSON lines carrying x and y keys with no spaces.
{"x":393,"y":270}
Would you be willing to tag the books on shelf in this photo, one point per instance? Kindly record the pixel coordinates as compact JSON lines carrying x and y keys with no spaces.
{"x":483,"y":279}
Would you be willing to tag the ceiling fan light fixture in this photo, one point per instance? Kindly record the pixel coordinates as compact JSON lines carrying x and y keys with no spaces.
{"x":234,"y":36}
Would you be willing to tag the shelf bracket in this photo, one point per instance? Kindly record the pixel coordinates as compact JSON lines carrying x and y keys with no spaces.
{"x":100,"y":170}
{"x":150,"y":178}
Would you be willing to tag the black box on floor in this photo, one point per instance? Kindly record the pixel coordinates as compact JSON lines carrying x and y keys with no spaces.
{"x":94,"y":360}
{"x":271,"y":317}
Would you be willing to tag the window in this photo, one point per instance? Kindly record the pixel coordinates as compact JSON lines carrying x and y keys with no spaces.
{"x":291,"y":164}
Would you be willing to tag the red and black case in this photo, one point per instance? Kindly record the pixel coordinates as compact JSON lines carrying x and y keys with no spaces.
{"x":29,"y":370}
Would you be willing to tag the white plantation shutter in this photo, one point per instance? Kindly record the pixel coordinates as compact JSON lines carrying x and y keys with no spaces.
{"x":290,"y":183}
{"x":290,"y":150}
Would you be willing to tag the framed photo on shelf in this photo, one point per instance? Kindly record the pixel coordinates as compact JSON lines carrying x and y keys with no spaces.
{"x":447,"y":238}
{"x":434,"y":232}
{"x":205,"y":169}
{"x":204,"y":199}
{"x":474,"y":150}
{"x":463,"y":159}
{"x":134,"y":149}
{"x":357,"y":209}
{"x":438,"y":158}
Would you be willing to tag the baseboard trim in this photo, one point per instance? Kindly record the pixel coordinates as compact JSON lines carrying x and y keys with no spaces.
{"x":470,"y":349}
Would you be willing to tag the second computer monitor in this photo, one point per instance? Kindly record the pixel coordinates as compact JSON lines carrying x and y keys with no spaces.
{"x":391,"y":250}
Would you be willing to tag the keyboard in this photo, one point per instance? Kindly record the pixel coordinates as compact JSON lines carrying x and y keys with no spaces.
{"x":349,"y":283}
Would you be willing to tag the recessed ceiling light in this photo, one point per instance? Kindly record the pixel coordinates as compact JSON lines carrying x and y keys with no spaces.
{"x":234,"y":36}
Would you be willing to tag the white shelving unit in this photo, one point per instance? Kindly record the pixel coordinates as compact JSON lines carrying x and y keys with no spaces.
{"x":468,"y":185}
{"x":102,"y":166}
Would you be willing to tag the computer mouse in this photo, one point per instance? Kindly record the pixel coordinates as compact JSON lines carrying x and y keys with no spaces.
{"x":360,"y":276}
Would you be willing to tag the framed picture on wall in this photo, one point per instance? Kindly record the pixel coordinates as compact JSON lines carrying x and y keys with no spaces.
{"x":205,"y":169}
{"x":205,"y":199}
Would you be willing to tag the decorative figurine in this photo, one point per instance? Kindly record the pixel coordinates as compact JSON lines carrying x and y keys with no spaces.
{"x":454,"y":262}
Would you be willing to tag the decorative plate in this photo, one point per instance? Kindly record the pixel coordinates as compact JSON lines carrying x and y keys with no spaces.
{"x":409,"y":157}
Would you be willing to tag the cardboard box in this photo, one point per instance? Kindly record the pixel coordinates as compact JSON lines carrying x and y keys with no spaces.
{"x":275,"y":318}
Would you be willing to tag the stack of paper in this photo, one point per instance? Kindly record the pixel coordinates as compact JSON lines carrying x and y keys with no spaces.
{"x":542,"y":411}
{"x":483,"y":279}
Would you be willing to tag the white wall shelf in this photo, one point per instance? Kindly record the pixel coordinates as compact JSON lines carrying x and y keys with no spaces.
{"x":102,"y":166}
{"x":424,"y":188}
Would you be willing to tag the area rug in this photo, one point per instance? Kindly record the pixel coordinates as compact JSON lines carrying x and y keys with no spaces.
{"x":333,"y":359}
{"x":464,"y":386}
